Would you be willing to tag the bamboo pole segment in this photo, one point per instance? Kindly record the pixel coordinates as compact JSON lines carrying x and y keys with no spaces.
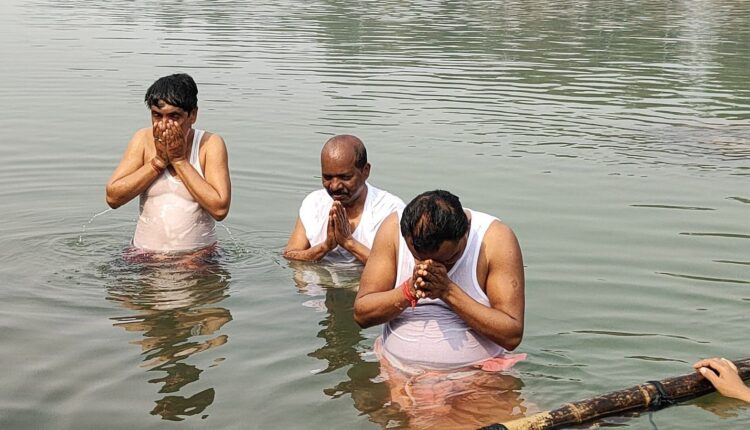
{"x":650,"y":395}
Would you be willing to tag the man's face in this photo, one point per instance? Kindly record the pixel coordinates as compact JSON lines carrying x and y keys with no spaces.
{"x":447,"y":253}
{"x":165,"y":112}
{"x":343,"y":181}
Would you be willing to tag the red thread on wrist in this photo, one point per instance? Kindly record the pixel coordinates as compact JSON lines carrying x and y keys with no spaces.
{"x":406,"y":289}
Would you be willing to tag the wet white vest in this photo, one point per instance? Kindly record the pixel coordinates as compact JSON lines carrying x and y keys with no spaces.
{"x":170,"y":219}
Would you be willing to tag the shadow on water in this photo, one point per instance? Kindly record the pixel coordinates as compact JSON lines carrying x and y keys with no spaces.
{"x":174,"y":307}
{"x":458,"y":400}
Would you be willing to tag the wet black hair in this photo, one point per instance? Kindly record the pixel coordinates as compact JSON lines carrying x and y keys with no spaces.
{"x":177,"y":90}
{"x":433,"y":217}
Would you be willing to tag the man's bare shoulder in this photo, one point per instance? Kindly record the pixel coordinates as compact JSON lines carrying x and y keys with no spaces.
{"x":499,"y":229}
{"x":140,"y":138}
{"x":143,"y":134}
{"x":213,"y":145}
{"x":213,"y":139}
{"x":500,"y":239}
{"x":390,"y":222}
{"x":388,"y":231}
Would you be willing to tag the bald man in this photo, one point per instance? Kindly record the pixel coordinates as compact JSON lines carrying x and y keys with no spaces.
{"x":339,"y":222}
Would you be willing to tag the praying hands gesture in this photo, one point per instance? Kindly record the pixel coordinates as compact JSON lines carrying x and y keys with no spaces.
{"x":170,"y":142}
{"x":339,"y":232}
{"x":162,"y":157}
{"x":164,"y":145}
{"x":342,"y":230}
{"x":330,"y":242}
{"x":431,"y":279}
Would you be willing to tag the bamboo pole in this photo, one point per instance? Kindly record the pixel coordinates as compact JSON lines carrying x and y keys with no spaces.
{"x":650,"y":395}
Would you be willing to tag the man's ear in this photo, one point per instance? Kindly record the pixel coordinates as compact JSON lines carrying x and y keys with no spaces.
{"x":193,"y":116}
{"x":366,"y":171}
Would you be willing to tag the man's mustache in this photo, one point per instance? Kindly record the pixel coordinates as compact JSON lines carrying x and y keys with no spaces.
{"x":337,"y":193}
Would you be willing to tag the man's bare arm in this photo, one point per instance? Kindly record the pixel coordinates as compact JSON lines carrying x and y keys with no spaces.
{"x":133,"y":175}
{"x":298,"y":247}
{"x":213,"y":191}
{"x":503,"y":320}
{"x":357,"y":249}
{"x":377,"y":301}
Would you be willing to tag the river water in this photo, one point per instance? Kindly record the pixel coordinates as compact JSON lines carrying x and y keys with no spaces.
{"x":613,"y":137}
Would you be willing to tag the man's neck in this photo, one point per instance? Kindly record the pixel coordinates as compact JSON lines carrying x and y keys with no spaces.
{"x":354,"y":211}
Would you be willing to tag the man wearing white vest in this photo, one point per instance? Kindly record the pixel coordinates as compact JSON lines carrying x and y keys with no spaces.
{"x":338,"y":223}
{"x":448,"y":285}
{"x":180,"y":173}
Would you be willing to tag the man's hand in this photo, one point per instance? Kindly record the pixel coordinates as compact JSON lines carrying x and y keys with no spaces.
{"x":161,"y":147}
{"x":431,"y":279}
{"x":330,"y":242}
{"x":342,"y":228}
{"x":723,"y":374}
{"x":175,"y":142}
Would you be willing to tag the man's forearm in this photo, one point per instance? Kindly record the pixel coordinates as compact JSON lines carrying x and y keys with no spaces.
{"x":379,"y":308}
{"x":357,"y":249}
{"x":492,"y":323}
{"x":206,"y":196}
{"x":314,"y":253}
{"x":125,"y":189}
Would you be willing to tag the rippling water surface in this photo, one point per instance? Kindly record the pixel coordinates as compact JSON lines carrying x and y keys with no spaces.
{"x":613,"y":137}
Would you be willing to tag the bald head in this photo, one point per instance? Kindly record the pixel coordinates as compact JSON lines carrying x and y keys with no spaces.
{"x":344,"y":170}
{"x":345,"y":147}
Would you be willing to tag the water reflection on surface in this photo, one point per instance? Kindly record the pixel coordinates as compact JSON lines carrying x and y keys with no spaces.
{"x":175,"y":309}
{"x":333,"y":290}
{"x":434,"y":400}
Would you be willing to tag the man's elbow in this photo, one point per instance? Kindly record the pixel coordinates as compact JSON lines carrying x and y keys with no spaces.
{"x":511,"y":342}
{"x":112,"y":200}
{"x":361,"y":319}
{"x":361,"y":322}
{"x":113,"y":203}
{"x":220,"y":213}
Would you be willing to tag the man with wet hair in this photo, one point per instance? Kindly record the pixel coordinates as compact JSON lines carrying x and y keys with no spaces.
{"x":339,"y":222}
{"x":448,"y":285}
{"x":431,"y":221}
{"x":180,"y":173}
